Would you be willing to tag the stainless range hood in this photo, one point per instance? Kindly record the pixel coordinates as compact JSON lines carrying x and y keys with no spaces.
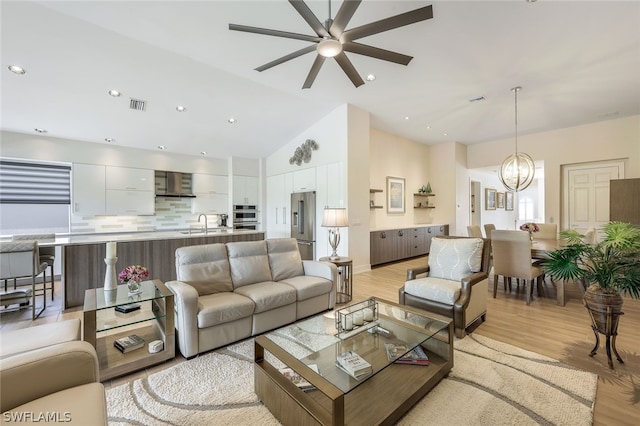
{"x":177,"y":184}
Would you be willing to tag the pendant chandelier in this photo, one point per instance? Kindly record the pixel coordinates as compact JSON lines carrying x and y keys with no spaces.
{"x":518,"y":169}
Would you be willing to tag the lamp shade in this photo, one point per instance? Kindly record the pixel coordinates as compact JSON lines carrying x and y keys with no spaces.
{"x":335,"y":218}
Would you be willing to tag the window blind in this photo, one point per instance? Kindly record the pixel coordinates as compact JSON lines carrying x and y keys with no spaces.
{"x":34,"y":183}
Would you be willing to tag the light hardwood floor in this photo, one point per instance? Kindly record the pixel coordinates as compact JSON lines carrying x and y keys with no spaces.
{"x":562,"y":333}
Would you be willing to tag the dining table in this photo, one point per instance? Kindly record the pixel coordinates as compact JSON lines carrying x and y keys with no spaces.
{"x":540,"y":249}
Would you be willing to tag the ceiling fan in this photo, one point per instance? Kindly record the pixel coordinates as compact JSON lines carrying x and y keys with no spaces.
{"x":332,"y":40}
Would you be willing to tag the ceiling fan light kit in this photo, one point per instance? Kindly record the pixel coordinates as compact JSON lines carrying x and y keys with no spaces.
{"x":333,"y":40}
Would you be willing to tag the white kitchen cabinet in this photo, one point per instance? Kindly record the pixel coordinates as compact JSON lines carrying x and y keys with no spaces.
{"x":120,"y":202}
{"x":279,"y":188}
{"x":88,"y":194}
{"x":129,"y":179}
{"x":304,"y":180}
{"x":212,"y":194}
{"x":245,"y":190}
{"x":210,"y":184}
{"x":129,"y":191}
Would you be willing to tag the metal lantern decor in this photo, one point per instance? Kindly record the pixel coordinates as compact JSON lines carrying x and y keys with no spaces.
{"x":518,"y":169}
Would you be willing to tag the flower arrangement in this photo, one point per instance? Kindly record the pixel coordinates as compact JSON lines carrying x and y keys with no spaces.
{"x":530,"y":227}
{"x":132,"y":275}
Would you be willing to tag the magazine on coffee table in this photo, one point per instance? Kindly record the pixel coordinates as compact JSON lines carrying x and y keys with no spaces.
{"x":416,"y":356}
{"x":297,"y":379}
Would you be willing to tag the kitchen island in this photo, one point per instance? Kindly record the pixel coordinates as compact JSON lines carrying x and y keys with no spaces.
{"x":83,"y":265}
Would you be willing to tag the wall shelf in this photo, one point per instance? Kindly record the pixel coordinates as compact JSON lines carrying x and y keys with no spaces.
{"x":427,"y":207}
{"x":431,"y":194}
{"x":426,"y":201}
{"x":372,"y":198}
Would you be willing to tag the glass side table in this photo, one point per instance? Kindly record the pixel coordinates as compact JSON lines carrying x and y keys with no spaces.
{"x":345,"y":276}
{"x":153,"y":320}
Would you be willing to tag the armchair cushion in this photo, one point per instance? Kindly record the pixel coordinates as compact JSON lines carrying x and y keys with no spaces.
{"x":455,"y":258}
{"x":436,"y":289}
{"x":24,"y":340}
{"x":249,"y":262}
{"x":284,"y":258}
{"x":308,"y":286}
{"x":204,"y":268}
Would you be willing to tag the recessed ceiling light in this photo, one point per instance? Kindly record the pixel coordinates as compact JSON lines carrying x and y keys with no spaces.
{"x":231,"y":121}
{"x":17,"y":70}
{"x":406,"y":118}
{"x":109,"y":140}
{"x":446,"y":134}
{"x":39,"y":130}
{"x":162,"y":147}
{"x":371,"y":77}
{"x":428,"y":127}
{"x":203,"y":152}
{"x":114,"y":93}
{"x":180,"y":108}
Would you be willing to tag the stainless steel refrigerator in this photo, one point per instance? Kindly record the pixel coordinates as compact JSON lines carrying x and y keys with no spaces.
{"x":303,"y":223}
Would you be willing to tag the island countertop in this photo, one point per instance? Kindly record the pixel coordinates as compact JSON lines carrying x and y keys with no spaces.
{"x":83,"y":265}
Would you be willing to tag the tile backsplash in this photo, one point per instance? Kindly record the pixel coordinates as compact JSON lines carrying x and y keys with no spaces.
{"x":171,"y":213}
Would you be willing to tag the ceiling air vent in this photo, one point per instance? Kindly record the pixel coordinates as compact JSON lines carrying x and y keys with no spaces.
{"x":138,"y":104}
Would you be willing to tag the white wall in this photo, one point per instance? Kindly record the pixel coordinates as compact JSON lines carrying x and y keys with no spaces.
{"x":605,"y":140}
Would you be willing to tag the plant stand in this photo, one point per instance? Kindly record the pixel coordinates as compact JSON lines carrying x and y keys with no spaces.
{"x":610,"y":330}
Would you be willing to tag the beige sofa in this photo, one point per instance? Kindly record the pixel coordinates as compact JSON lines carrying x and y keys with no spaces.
{"x":228,"y":292}
{"x":48,"y":376}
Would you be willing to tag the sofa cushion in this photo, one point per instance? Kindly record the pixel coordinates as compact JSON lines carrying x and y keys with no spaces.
{"x":455,"y":258}
{"x":268,"y":295}
{"x":249,"y":262}
{"x":308,"y":286}
{"x":436,"y":289}
{"x":205,"y":268}
{"x":284,"y":258}
{"x":221,"y":308}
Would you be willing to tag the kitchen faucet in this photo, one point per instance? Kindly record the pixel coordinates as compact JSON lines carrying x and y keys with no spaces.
{"x":206,"y":227}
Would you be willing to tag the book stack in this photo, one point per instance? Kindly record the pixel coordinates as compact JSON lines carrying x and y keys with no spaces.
{"x":128,"y":343}
{"x":353,"y":364}
{"x":125,"y":309}
{"x":416,"y":356}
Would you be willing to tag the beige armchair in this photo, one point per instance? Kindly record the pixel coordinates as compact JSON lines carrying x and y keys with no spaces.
{"x":456,"y":284}
{"x":60,"y":380}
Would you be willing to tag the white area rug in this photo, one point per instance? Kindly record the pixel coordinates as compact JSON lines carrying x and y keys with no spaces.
{"x":492,"y":383}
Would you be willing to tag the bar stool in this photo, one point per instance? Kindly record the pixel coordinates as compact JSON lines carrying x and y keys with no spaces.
{"x":47,"y":255}
{"x":20,"y":260}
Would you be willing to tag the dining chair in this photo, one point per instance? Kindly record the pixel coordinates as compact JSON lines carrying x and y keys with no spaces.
{"x":547,"y":231}
{"x":474,"y":231}
{"x":589,"y":236}
{"x":488,"y":227}
{"x":47,"y":254}
{"x":512,"y":259}
{"x":21,"y":260}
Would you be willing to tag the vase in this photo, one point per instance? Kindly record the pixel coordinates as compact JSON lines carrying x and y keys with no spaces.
{"x":133,"y":286}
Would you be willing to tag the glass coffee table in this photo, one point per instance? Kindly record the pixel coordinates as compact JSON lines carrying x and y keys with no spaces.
{"x":310,"y":347}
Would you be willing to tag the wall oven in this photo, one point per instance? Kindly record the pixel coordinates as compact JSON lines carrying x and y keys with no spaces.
{"x":245,"y":216}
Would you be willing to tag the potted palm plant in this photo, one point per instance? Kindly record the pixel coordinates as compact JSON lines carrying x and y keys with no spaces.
{"x":609,"y":268}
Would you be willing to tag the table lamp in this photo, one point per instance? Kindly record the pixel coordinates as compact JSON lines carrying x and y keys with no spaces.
{"x":334,"y":218}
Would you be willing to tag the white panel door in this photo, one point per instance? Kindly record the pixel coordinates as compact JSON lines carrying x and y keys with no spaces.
{"x":587,"y":194}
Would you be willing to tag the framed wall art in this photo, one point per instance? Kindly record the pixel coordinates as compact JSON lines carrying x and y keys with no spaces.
{"x":489,"y":199}
{"x":500,"y":200}
{"x":508,"y":203}
{"x":395,"y":195}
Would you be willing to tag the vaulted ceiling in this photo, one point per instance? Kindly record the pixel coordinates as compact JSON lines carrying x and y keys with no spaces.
{"x":578,"y":62}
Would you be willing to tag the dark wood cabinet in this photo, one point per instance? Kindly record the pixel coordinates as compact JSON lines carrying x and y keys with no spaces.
{"x":402,"y":243}
{"x":624,"y":200}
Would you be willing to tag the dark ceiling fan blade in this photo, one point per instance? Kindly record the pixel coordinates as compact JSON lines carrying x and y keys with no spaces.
{"x":344,"y":15}
{"x":275,"y":33}
{"x":313,"y":72}
{"x":349,"y":69}
{"x":376,"y":52}
{"x":308,"y":16}
{"x":387,"y":24}
{"x":286,"y":58}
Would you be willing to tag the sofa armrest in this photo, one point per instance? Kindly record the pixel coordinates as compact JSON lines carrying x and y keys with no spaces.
{"x":413,"y":273}
{"x":186,"y":316}
{"x":34,"y":374}
{"x":467,"y":284}
{"x":325,"y":270}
